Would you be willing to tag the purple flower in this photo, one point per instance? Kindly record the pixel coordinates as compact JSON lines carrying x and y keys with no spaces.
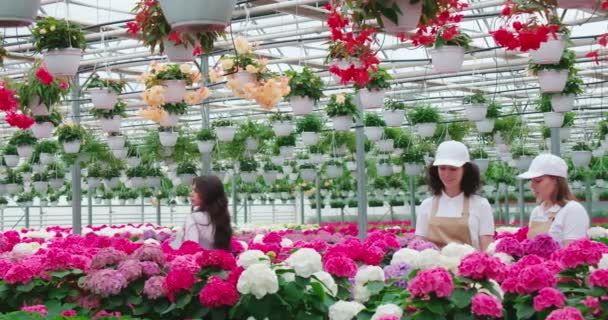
{"x":149,"y":252}
{"x":542,"y":245}
{"x":105,"y":282}
{"x":510,"y":246}
{"x":131,"y":269}
{"x":420,"y":245}
{"x":107,"y":257}
{"x":153,"y":288}
{"x":397,"y":271}
{"x":149,"y":234}
{"x":150,"y":268}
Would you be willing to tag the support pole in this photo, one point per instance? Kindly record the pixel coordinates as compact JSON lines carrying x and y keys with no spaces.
{"x":206,"y":157}
{"x":302,"y":206}
{"x":507,"y":213}
{"x":555,"y":141}
{"x":361,"y":174}
{"x":158,"y":214}
{"x":318,"y":197}
{"x":521,"y":202}
{"x":246,"y":212}
{"x":90,"y":208}
{"x":2,"y":219}
{"x":497,"y":201}
{"x":76,"y":174}
{"x":234,"y":198}
{"x":143,"y":210}
{"x":109,"y":212}
{"x":588,"y":196}
{"x":413,"y":199}
{"x":27,"y":217}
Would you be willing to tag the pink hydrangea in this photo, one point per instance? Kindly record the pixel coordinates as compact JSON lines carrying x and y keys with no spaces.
{"x":131,"y":269}
{"x":218,"y":293}
{"x":485,"y":305}
{"x":236,"y":247}
{"x":177,"y":280}
{"x":388,"y":317}
{"x":372,"y":256}
{"x":531,"y":279}
{"x":149,"y":252}
{"x":234,"y":275}
{"x":481,"y":266}
{"x":272,"y":237}
{"x":341,"y":266}
{"x":599,"y":278}
{"x":548,"y":297}
{"x":106,"y":282}
{"x":421,"y":245}
{"x":566,"y":313}
{"x":69,"y":313}
{"x":39,"y":308}
{"x":107,"y":257}
{"x":18,"y":273}
{"x":510,"y":246}
{"x":581,"y":252}
{"x":149,"y":268}
{"x":216,"y":258}
{"x":186,"y":262}
{"x":543,"y":245}
{"x":436,"y":281}
{"x":154,"y":288}
{"x":105,"y":314}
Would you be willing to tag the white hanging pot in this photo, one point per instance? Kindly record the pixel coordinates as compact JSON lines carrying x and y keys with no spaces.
{"x":93,"y":182}
{"x":333,"y":171}
{"x":12,"y":188}
{"x":251,"y":144}
{"x":393,"y":118}
{"x":485,"y":125}
{"x":397,"y":169}
{"x":168,"y":139}
{"x":317,"y":158}
{"x":170,"y":120}
{"x":186,"y":178}
{"x":373,"y":133}
{"x":287,"y":169}
{"x":116,"y":142}
{"x":286,"y":151}
{"x":42,"y":130}
{"x":120,"y":154}
{"x":426,"y":130}
{"x":282,"y":128}
{"x":277,"y":160}
{"x":249,"y":177}
{"x":302,"y":106}
{"x":27,"y":176}
{"x":577,"y":4}
{"x":225,"y":133}
{"x":38,"y":109}
{"x":407,"y":20}
{"x":205,"y":146}
{"x":310,"y":138}
{"x":412,"y":169}
{"x":18,"y":14}
{"x":552,"y":80}
{"x":550,"y":52}
{"x":308,"y":174}
{"x":187,"y":15}
{"x":46,"y":158}
{"x":110,"y":125}
{"x":244,"y":78}
{"x":523,"y":163}
{"x":447,"y":59}
{"x":133,"y":161}
{"x":371,"y":99}
{"x":342,"y":123}
{"x":40,"y":186}
{"x":351,"y":165}
{"x":562,"y":103}
{"x":122,"y":202}
{"x":62,"y":62}
{"x":37,"y":168}
{"x":386,"y":145}
{"x":113,"y":183}
{"x":56,"y":183}
{"x":11,"y":160}
{"x":475,"y":112}
{"x":25,"y":151}
{"x":483,"y":164}
{"x":103,"y":98}
{"x":581,"y":158}
{"x":153,"y":182}
{"x":269,"y":177}
{"x":178,"y":53}
{"x":174,"y":90}
{"x":553,"y":119}
{"x":384,"y":169}
{"x":136,"y":182}
{"x":564,"y":133}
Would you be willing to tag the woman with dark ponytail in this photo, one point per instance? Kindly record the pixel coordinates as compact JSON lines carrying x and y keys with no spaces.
{"x":209,"y":223}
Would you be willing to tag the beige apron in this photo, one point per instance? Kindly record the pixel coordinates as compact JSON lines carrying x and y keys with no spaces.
{"x":541,"y":227}
{"x":444,"y":230}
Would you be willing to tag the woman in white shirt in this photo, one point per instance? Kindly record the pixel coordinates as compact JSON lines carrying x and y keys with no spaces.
{"x":558,"y":214}
{"x":455,"y":213}
{"x":209,"y":223}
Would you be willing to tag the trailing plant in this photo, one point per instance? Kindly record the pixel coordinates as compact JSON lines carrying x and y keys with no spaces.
{"x":46,"y":146}
{"x":51,"y":33}
{"x":186,"y":168}
{"x":40,"y":177}
{"x":248,"y":165}
{"x":10,"y":149}
{"x":574,"y":86}
{"x":567,"y":62}
{"x":581,"y":146}
{"x":544,"y":104}
{"x":456,"y":131}
{"x":54,"y":117}
{"x":95,"y":170}
{"x":222,"y":123}
{"x":69,"y":132}
{"x":373,"y":119}
{"x":40,"y":86}
{"x":569,"y":118}
{"x":205,"y":134}
{"x":22,"y":138}
{"x":309,"y":123}
{"x":119,"y":110}
{"x":269,"y":166}
{"x":423,"y":113}
{"x":305,"y":84}
{"x":413,"y":154}
{"x":176,"y":108}
{"x":479,"y":153}
{"x":286,"y":141}
{"x":394,"y":105}
{"x":13,"y":176}
{"x":280,"y":117}
{"x":493,"y":110}
{"x":341,"y":105}
{"x":521,"y":150}
{"x":477,"y":98}
{"x":115,"y":86}
{"x":379,"y":80}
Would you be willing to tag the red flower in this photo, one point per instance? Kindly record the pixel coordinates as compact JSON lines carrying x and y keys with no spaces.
{"x":218,"y":293}
{"x":132,"y":27}
{"x":594,"y":55}
{"x":603,"y":41}
{"x":44,"y":76}
{"x":18,"y":120}
{"x":64,"y":85}
{"x":506,"y":11}
{"x":8,"y":103}
{"x":174,"y":37}
{"x":197,"y":51}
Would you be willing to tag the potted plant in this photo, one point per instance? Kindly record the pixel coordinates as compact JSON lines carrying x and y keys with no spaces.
{"x":172,"y":113}
{"x":374,"y":126}
{"x":286,"y":145}
{"x":112,"y":174}
{"x":56,"y":173}
{"x":248,"y":167}
{"x":46,"y":150}
{"x":308,"y":171}
{"x":104,"y":92}
{"x":449,"y":48}
{"x":481,"y":159}
{"x":306,"y":90}
{"x":375,"y":203}
{"x":309,"y":127}
{"x":552,"y":119}
{"x":424,"y":118}
{"x":25,"y":199}
{"x":168,"y":81}
{"x":61,"y":44}
{"x":553,"y":77}
{"x":40,"y":182}
{"x":40,"y":92}
{"x":384,"y":168}
{"x":25,"y":141}
{"x":110,"y":119}
{"x":581,"y":154}
{"x":342,"y":111}
{"x":18,"y":14}
{"x":486,"y":125}
{"x":394,"y":113}
{"x":186,"y":171}
{"x":270,"y":172}
{"x":250,"y":134}
{"x":523,"y":157}
{"x":282,"y":124}
{"x":564,"y":101}
{"x":44,"y":125}
{"x":205,"y":140}
{"x":225,"y":129}
{"x":333,"y":169}
{"x":475,"y":107}
{"x":71,"y":135}
{"x":197,"y":15}
{"x":413,"y":159}
{"x":372,"y":94}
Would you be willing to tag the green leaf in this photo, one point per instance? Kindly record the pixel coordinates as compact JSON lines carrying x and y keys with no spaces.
{"x":160,"y":306}
{"x":375,"y":287}
{"x":437,"y":306}
{"x":524,"y":310}
{"x":182,"y":301}
{"x":426,"y":315}
{"x":463,"y":315}
{"x":134,"y":300}
{"x":172,"y":307}
{"x":60,"y":274}
{"x":26,"y":287}
{"x":462,"y":298}
{"x":318,"y":290}
{"x":141,"y":309}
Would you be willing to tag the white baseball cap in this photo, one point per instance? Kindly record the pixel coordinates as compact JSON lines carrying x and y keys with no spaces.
{"x":451,"y":153}
{"x":546,"y":164}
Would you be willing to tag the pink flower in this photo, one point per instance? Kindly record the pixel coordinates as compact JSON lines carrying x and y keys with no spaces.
{"x":69,"y":313}
{"x":530,"y":279}
{"x":481,"y":266}
{"x":107,"y":257}
{"x":8,"y":102}
{"x":387,"y":317}
{"x":567,"y":313}
{"x":580,"y":252}
{"x":154,"y":288}
{"x":44,"y":76}
{"x":106,"y":282}
{"x":485,"y":305}
{"x":272,"y":237}
{"x":510,"y":246}
{"x":549,"y":297}
{"x":150,"y":268}
{"x":341,"y":266}
{"x":105,"y":314}
{"x":216,"y":258}
{"x":218,"y":293}
{"x":131,"y":269}
{"x":177,"y":280}
{"x":372,"y":256}
{"x":543,"y":245}
{"x":149,"y":252}
{"x":599,"y":278}
{"x":64,"y":85}
{"x":186,"y":262}
{"x":591,"y":302}
{"x":39,"y":308}
{"x":18,"y":273}
{"x":437,"y":281}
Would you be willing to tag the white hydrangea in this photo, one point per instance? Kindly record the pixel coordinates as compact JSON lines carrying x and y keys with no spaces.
{"x":344,"y":310}
{"x":258,"y":280}
{"x":361,"y":294}
{"x":449,"y":263}
{"x":285,"y":242}
{"x":457,"y":250}
{"x":39,"y":234}
{"x":287,"y":276}
{"x":504,"y":257}
{"x":26,"y":248}
{"x":367,"y":274}
{"x":305,"y":262}
{"x":427,"y":259}
{"x":405,"y":255}
{"x":388,"y":310}
{"x":251,"y":257}
{"x":603,"y":264}
{"x":329,"y":284}
{"x":491,"y":250}
{"x":597,"y":232}
{"x":259,"y":238}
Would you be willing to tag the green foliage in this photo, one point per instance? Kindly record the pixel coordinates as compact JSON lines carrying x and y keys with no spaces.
{"x":186,"y":167}
{"x":477,"y":98}
{"x":574,"y":86}
{"x":379,"y":79}
{"x":172,"y":72}
{"x":39,"y":177}
{"x":510,"y":127}
{"x":69,"y":132}
{"x":33,"y":90}
{"x":46,"y":146}
{"x":205,"y":134}
{"x":581,"y":146}
{"x":347,"y":108}
{"x":119,"y":110}
{"x":54,"y":117}
{"x":222,"y":123}
{"x":280,"y":117}
{"x":415,"y":153}
{"x":176,"y":108}
{"x":305,"y":84}
{"x":286,"y":141}
{"x":248,"y":165}
{"x":373,"y":119}
{"x":520,"y":150}
{"x":115,"y":86}
{"x":423,"y":113}
{"x":50,"y":33}
{"x":569,"y":118}
{"x":13,"y":176}
{"x":394,"y":105}
{"x":493,"y":110}
{"x":567,"y":62}
{"x":309,"y":123}
{"x":462,"y":40}
{"x":500,"y":172}
{"x":22,"y":138}
{"x":479,"y":153}
{"x":10,"y":149}
{"x":544,"y":104}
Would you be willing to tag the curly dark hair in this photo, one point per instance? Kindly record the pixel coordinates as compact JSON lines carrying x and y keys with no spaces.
{"x":470,"y":184}
{"x":211,"y":191}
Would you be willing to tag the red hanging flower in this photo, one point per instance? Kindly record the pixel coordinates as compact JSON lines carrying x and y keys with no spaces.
{"x":8,"y":102}
{"x":595,"y":55}
{"x":197,"y":51}
{"x":44,"y":76}
{"x":132,"y":27}
{"x":19,"y":120}
{"x":174,"y":37}
{"x":64,"y":85}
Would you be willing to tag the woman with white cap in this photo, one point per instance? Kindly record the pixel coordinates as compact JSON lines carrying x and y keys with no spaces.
{"x":455,"y":213}
{"x":558,"y":214}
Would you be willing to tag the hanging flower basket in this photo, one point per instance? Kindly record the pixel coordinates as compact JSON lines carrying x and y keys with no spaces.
{"x":116,"y":142}
{"x":168,"y":139}
{"x":71,"y":147}
{"x":25,"y":151}
{"x":373,"y":133}
{"x":412,"y":169}
{"x":133,"y":161}
{"x":483,"y":164}
{"x":371,"y":99}
{"x":205,"y":146}
{"x":577,"y":4}
{"x":18,"y":13}
{"x":110,"y":125}
{"x":333,"y":171}
{"x":11,"y":160}
{"x":475,"y":112}
{"x":386,"y":145}
{"x":523,"y":163}
{"x":282,"y":128}
{"x":552,"y":80}
{"x":447,"y":59}
{"x":12,"y":188}
{"x":485,"y":125}
{"x":310,"y":138}
{"x":249,"y":177}
{"x":302,"y":106}
{"x":225,"y":134}
{"x":426,"y":130}
{"x":244,"y":78}
{"x":188,"y":15}
{"x":46,"y":158}
{"x":342,"y":123}
{"x":63,"y":62}
{"x":42,"y":130}
{"x":40,"y":186}
{"x":317,"y":158}
{"x":308,"y":174}
{"x":56,"y":183}
{"x":554,"y":119}
{"x":113,"y":183}
{"x":393,"y":118}
{"x":562,"y":103}
{"x":170,"y":120}
{"x":103,"y":98}
{"x":175,"y":90}
{"x":550,"y":52}
{"x":178,"y":52}
{"x":251,"y":144}
{"x":120,"y":154}
{"x":38,"y":109}
{"x":286,"y":151}
{"x":270,"y":177}
{"x":564,"y":133}
{"x":581,"y":158}
{"x":385,"y":169}
{"x":407,"y":20}
{"x":277,"y":160}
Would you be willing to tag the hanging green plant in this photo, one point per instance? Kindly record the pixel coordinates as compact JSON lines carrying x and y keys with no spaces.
{"x":493,"y":110}
{"x":51,"y":33}
{"x":286,"y":141}
{"x":9,"y":149}
{"x":461,"y":39}
{"x":479,"y":153}
{"x":341,"y":105}
{"x":176,"y":108}
{"x":521,"y":150}
{"x":581,"y":146}
{"x":280,"y":117}
{"x":393,"y":105}
{"x":305,"y":84}
{"x":119,"y":110}
{"x":373,"y":119}
{"x":46,"y":146}
{"x":205,"y":134}
{"x":309,"y":123}
{"x":567,"y":62}
{"x":187,"y":167}
{"x":222,"y":123}
{"x":115,"y":86}
{"x":248,"y":165}
{"x":424,"y":113}
{"x":22,"y":138}
{"x":477,"y":98}
{"x":379,"y":79}
{"x":413,"y":154}
{"x":69,"y":132}
{"x":569,"y":118}
{"x":13,"y":176}
{"x":54,"y":117}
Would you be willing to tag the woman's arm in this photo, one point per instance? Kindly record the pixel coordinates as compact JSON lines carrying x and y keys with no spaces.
{"x":484,"y":242}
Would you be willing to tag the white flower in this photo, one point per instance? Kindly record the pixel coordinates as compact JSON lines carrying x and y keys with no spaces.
{"x":405,"y":255}
{"x":427,"y":259}
{"x":152,"y":241}
{"x":305,"y":262}
{"x":241,"y":45}
{"x":603,"y":264}
{"x":507,"y":230}
{"x":258,"y":280}
{"x":456,"y":250}
{"x":344,"y":310}
{"x":289,"y":276}
{"x":596,"y":232}
{"x":259,"y":238}
{"x":491,"y":250}
{"x":449,"y":263}
{"x":52,"y":28}
{"x":361,"y":294}
{"x":42,"y":31}
{"x":227,"y":63}
{"x":244,"y":244}
{"x":328,"y":282}
{"x":367,"y":274}
{"x":252,"y":257}
{"x":285,"y":242}
{"x":505,"y":258}
{"x":26,"y":247}
{"x":388,"y":310}
{"x":39,"y":234}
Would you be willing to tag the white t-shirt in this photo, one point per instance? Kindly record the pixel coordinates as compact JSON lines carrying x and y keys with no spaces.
{"x":571,"y":222}
{"x":198,"y":228}
{"x":481,"y":221}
